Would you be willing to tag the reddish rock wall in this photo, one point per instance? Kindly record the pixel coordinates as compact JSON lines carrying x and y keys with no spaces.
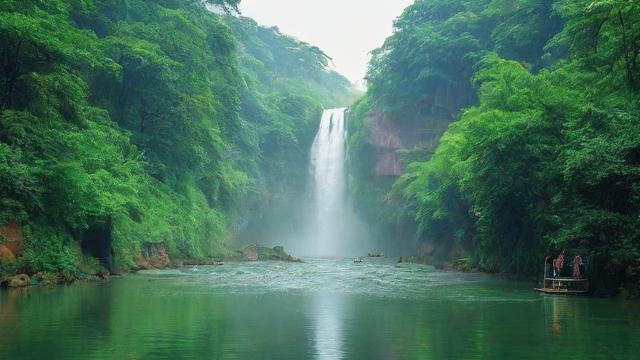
{"x":388,"y":136}
{"x":11,"y":239}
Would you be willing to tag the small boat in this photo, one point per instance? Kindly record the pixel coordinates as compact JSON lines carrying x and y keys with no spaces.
{"x":559,"y":285}
{"x":564,"y":286}
{"x":358,"y":261}
{"x":376,"y":254}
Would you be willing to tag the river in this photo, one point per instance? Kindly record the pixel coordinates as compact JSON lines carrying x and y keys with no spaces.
{"x":321,"y":309}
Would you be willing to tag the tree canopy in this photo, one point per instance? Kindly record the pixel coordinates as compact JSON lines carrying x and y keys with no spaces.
{"x":542,"y":153}
{"x":161,"y":121}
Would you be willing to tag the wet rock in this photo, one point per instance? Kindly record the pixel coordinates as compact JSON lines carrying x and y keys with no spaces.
{"x":421,"y":260}
{"x":38,"y":277}
{"x":193,"y":262}
{"x":103,"y":274}
{"x":66,"y":278}
{"x":153,"y":256}
{"x":142,"y":263}
{"x":19,"y":281}
{"x":160,"y":261}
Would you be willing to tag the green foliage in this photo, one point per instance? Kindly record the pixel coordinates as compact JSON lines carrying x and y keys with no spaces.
{"x":148,"y":117}
{"x":52,"y":252}
{"x":547,"y":159}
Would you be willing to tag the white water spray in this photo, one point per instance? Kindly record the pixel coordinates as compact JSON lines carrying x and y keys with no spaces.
{"x":332,"y":228}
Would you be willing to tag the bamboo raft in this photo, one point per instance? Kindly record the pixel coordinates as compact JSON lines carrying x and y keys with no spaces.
{"x":564,"y":286}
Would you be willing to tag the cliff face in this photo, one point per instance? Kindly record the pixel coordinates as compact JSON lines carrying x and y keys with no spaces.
{"x":11,"y":239}
{"x":389,"y":136}
{"x":383,"y":135}
{"x":382,"y":145}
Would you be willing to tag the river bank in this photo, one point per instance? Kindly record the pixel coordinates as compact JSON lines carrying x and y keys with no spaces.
{"x":152,"y":258}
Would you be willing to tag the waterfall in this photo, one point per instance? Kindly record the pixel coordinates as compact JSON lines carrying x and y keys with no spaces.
{"x":328,"y":184}
{"x":332,"y":228}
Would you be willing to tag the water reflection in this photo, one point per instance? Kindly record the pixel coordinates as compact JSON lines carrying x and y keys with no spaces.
{"x":328,"y":327}
{"x":556,"y":326}
{"x":563,"y":313}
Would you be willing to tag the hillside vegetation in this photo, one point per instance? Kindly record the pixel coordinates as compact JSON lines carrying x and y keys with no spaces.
{"x":543,"y":152}
{"x":148,"y":122}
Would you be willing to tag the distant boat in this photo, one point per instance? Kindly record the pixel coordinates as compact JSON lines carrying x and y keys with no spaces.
{"x":358,"y":260}
{"x":376,"y":254}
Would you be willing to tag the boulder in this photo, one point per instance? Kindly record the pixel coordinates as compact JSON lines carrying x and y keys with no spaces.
{"x":19,"y":281}
{"x":142,"y":263}
{"x":257,"y":252}
{"x":160,"y":261}
{"x":153,"y":256}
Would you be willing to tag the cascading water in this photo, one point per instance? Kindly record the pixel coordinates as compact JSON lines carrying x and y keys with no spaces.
{"x":328,"y":183}
{"x":332,"y":228}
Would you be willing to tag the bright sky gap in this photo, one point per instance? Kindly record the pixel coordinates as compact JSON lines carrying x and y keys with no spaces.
{"x":346,"y":30}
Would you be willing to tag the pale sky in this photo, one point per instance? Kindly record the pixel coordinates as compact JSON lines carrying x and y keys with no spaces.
{"x":346,"y":30}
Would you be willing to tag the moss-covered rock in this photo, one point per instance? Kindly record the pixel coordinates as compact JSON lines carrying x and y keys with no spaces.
{"x":262,"y":253}
{"x":18,"y":281}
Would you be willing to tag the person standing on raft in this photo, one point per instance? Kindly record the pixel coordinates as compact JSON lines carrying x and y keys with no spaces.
{"x":577,"y":263}
{"x":558,"y":264}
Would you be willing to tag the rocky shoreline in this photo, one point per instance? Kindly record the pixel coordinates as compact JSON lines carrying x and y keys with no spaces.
{"x":153,"y":257}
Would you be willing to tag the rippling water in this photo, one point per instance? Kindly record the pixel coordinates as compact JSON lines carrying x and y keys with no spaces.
{"x":322,"y":309}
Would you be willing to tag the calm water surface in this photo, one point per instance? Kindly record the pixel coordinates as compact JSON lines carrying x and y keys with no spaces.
{"x":323,"y":309}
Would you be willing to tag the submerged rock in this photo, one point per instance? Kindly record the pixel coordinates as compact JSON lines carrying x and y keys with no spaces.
{"x":18,"y":281}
